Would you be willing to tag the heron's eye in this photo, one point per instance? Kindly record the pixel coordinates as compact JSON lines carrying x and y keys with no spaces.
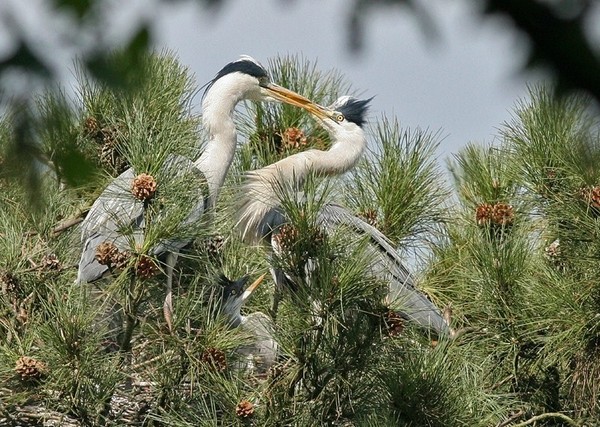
{"x":234,"y":292}
{"x":339,"y":117}
{"x":263,"y":81}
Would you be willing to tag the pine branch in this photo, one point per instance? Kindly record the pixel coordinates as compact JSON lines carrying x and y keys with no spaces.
{"x":547,"y":415}
{"x":512,"y":418}
{"x":66,"y":224}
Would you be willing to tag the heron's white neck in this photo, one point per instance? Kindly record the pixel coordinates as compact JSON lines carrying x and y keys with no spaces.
{"x":341,"y":157}
{"x":217,"y":118}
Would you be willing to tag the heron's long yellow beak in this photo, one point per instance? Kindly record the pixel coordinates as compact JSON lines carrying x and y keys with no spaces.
{"x":252,"y":287}
{"x":290,"y":97}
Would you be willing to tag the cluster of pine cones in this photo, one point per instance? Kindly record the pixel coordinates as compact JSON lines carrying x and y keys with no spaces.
{"x":498,"y":214}
{"x":108,"y":254}
{"x":30,"y":369}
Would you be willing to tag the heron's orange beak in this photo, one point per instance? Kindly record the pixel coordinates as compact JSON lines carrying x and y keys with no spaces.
{"x":252,"y":287}
{"x":290,"y":97}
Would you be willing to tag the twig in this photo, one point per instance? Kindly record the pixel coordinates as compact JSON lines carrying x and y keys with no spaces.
{"x":502,"y":382}
{"x":150,"y":361}
{"x":512,"y":418}
{"x":41,"y":267}
{"x":532,"y":420}
{"x":65,"y":225}
{"x":39,"y":413}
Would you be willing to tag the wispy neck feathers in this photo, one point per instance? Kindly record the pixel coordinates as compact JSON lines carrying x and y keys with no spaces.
{"x":259,"y":195}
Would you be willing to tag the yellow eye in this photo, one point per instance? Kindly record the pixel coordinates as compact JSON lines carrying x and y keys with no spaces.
{"x":339,"y":117}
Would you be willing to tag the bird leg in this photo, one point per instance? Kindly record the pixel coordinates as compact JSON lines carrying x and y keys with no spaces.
{"x":277,"y":277}
{"x":168,"y":304}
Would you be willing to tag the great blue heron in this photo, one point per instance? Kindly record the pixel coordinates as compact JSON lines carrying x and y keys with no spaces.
{"x":260,"y":213}
{"x":117,"y":209}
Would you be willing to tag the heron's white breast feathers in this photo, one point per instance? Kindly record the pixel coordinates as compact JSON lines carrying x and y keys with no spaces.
{"x":260,"y":195}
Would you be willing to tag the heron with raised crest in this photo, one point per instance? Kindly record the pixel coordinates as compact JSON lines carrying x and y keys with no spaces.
{"x":260,"y":213}
{"x":116,"y":209}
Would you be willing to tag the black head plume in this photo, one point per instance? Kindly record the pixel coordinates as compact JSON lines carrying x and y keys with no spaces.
{"x":245,"y":65}
{"x":232,"y":288}
{"x":354,"y":110}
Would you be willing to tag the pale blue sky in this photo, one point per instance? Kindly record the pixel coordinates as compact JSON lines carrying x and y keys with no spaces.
{"x":463,"y":84}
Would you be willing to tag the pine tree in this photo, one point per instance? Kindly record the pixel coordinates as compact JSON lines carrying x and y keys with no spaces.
{"x":509,"y":251}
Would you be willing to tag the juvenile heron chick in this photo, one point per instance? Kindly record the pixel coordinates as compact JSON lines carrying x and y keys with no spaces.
{"x":261,"y":352}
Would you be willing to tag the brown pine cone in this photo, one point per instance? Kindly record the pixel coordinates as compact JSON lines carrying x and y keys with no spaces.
{"x":214,"y":358}
{"x":109,"y":135}
{"x":317,"y":236}
{"x":287,"y":236}
{"x":121,"y":259}
{"x":110,"y":157}
{"x":29,"y":368}
{"x":394,"y":323}
{"x":91,"y":127}
{"x":143,"y":187}
{"x":244,"y":409}
{"x":552,"y":251}
{"x":8,"y":282}
{"x":594,"y":197}
{"x":483,"y":214}
{"x":106,"y":253}
{"x":276,"y":371}
{"x":50,"y":262}
{"x":214,"y":245}
{"x":146,"y":267}
{"x":292,"y":138}
{"x":370,"y":216}
{"x":503,"y":214}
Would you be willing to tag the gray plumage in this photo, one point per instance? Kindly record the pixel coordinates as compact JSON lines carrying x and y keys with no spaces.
{"x":260,"y":353}
{"x":118,"y":217}
{"x":387,"y":265}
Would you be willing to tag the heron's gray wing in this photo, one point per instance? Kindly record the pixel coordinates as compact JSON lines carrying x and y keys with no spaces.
{"x":118,"y":217}
{"x":178,"y":166}
{"x":261,"y":354}
{"x":388,"y":266}
{"x":115,"y":211}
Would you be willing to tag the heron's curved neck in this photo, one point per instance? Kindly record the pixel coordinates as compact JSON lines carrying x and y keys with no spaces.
{"x":338,"y":159}
{"x":217,"y":118}
{"x":341,"y":157}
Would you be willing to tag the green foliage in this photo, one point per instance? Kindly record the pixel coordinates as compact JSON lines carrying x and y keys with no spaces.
{"x":80,"y":369}
{"x":563,"y":189}
{"x":520,"y":277}
{"x":398,"y":186}
{"x":439,"y":387}
{"x":512,"y":253}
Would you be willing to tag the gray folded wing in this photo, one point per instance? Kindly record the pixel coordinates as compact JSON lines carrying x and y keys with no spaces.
{"x":388,"y":266}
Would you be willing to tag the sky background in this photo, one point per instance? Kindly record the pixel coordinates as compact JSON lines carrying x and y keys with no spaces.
{"x":463,"y":83}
